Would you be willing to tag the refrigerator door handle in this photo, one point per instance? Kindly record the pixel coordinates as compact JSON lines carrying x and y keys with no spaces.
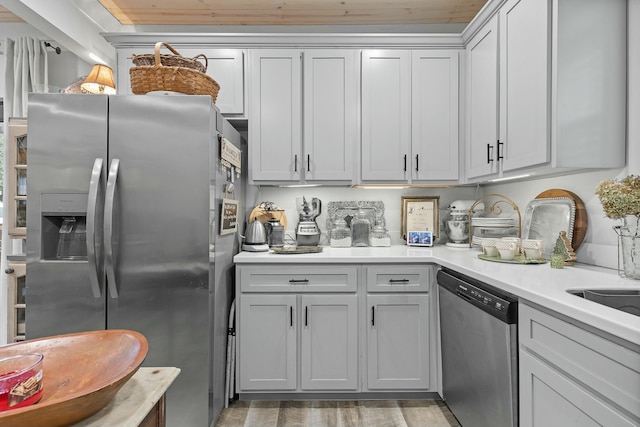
{"x":94,"y":187}
{"x":108,"y":227}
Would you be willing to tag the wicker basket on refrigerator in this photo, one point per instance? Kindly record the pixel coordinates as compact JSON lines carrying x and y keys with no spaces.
{"x":160,"y":76}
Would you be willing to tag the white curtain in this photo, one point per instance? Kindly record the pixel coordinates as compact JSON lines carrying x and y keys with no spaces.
{"x":26,"y":70}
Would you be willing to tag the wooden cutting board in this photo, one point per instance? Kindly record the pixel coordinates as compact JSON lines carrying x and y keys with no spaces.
{"x":580,"y":223}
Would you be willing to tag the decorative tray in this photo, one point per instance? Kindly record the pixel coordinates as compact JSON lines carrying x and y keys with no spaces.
{"x":347,"y":211}
{"x":518,"y":259}
{"x":288,"y":250}
{"x":545,"y":218}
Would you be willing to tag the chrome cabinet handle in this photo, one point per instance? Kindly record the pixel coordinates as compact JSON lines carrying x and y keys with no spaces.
{"x":108,"y":227}
{"x":92,"y":207}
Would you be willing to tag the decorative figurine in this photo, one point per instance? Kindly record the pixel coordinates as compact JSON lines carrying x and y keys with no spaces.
{"x":562,"y":253}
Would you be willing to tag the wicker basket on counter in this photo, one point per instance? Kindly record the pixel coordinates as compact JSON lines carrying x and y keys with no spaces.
{"x":172,"y":78}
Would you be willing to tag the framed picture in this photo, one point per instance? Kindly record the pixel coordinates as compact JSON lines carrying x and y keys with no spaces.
{"x":420,"y":213}
{"x":229,"y":216}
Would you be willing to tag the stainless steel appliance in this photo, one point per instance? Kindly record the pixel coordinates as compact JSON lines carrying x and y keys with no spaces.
{"x":255,"y":238}
{"x":457,"y":223}
{"x":275,"y":233}
{"x":307,"y":231}
{"x":479,"y":351}
{"x":136,"y":180}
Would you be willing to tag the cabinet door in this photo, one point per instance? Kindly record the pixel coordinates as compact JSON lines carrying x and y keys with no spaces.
{"x":482,"y":100}
{"x":225,"y":66}
{"x":16,"y":297}
{"x":267,"y":344}
{"x":329,"y":347}
{"x":434,"y":112}
{"x":548,"y":398}
{"x":275,"y":115}
{"x":386,"y":119}
{"x":330,"y":114}
{"x":398,"y":341}
{"x":524,"y":88}
{"x":16,"y":188}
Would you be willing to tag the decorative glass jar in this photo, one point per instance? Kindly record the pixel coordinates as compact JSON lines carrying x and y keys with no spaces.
{"x":629,"y":247}
{"x":380,"y":236}
{"x":340,"y":236}
{"x":360,"y":229}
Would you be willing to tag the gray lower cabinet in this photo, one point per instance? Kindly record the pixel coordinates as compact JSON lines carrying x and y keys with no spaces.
{"x":329,"y":346}
{"x":572,"y":376}
{"x":297,"y":329}
{"x":310,"y":328}
{"x":398,"y":342}
{"x":267,"y":342}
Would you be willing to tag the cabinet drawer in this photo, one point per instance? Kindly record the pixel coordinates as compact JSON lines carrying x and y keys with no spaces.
{"x":395,"y":278}
{"x":298,"y":278}
{"x":609,"y":369}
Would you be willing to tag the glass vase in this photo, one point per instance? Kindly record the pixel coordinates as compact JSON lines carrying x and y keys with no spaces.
{"x":629,"y":247}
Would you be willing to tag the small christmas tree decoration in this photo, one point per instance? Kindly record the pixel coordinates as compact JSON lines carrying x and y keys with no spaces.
{"x":563,"y":249}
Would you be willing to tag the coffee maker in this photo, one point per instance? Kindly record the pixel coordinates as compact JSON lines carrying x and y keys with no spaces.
{"x":307,"y":231}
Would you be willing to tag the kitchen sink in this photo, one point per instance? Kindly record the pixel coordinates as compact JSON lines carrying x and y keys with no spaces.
{"x":627,"y":300}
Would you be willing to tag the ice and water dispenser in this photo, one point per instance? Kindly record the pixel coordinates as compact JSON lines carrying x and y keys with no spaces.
{"x":64,"y":227}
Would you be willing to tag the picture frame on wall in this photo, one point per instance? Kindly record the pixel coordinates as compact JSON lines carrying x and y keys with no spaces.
{"x":229,"y":216}
{"x":420,"y":213}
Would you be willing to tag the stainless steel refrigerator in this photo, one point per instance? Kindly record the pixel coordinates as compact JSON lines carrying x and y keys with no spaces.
{"x":123,"y":206}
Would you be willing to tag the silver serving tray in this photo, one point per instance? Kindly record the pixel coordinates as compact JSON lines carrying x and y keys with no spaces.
{"x":545,"y":218}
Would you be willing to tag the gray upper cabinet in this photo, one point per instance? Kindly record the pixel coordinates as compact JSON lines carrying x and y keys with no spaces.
{"x":560,"y":68}
{"x":482,"y":102}
{"x":225,"y":66}
{"x":302,"y":132}
{"x":409,"y":116}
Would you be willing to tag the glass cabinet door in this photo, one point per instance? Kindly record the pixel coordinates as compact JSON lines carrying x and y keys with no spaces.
{"x":16,"y":292}
{"x":16,"y":189}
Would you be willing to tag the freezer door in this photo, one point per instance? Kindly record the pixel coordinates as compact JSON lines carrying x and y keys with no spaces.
{"x":67,"y":139}
{"x":157,"y":237}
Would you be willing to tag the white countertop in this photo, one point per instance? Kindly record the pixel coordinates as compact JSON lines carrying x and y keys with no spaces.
{"x":538,"y":283}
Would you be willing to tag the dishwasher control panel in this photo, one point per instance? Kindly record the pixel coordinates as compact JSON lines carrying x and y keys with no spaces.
{"x":483,"y":297}
{"x":489,"y":299}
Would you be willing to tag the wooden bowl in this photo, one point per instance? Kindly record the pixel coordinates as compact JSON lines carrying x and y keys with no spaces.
{"x":81,"y":374}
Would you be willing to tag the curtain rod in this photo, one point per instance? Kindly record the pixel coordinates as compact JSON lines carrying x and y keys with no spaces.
{"x":56,"y":48}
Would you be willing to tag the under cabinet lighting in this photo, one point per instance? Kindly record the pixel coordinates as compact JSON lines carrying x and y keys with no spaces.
{"x":401,"y":186}
{"x":509,"y":178}
{"x":298,"y":185}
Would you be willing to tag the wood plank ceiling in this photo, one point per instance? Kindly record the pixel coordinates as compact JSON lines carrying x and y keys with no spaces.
{"x":292,"y":12}
{"x":285,"y":12}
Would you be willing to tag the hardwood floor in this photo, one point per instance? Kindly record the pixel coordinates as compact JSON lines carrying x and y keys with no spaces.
{"x":337,"y":413}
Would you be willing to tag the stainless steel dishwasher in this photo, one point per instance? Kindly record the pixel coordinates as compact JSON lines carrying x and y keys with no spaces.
{"x":479,"y":351}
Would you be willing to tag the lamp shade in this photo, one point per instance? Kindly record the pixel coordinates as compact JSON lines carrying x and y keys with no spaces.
{"x":100,"y":80}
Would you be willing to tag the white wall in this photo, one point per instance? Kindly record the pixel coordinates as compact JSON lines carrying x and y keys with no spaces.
{"x":63,"y":68}
{"x":285,"y":198}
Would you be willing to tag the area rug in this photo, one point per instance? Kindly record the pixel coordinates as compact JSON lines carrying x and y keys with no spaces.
{"x":337,"y":413}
